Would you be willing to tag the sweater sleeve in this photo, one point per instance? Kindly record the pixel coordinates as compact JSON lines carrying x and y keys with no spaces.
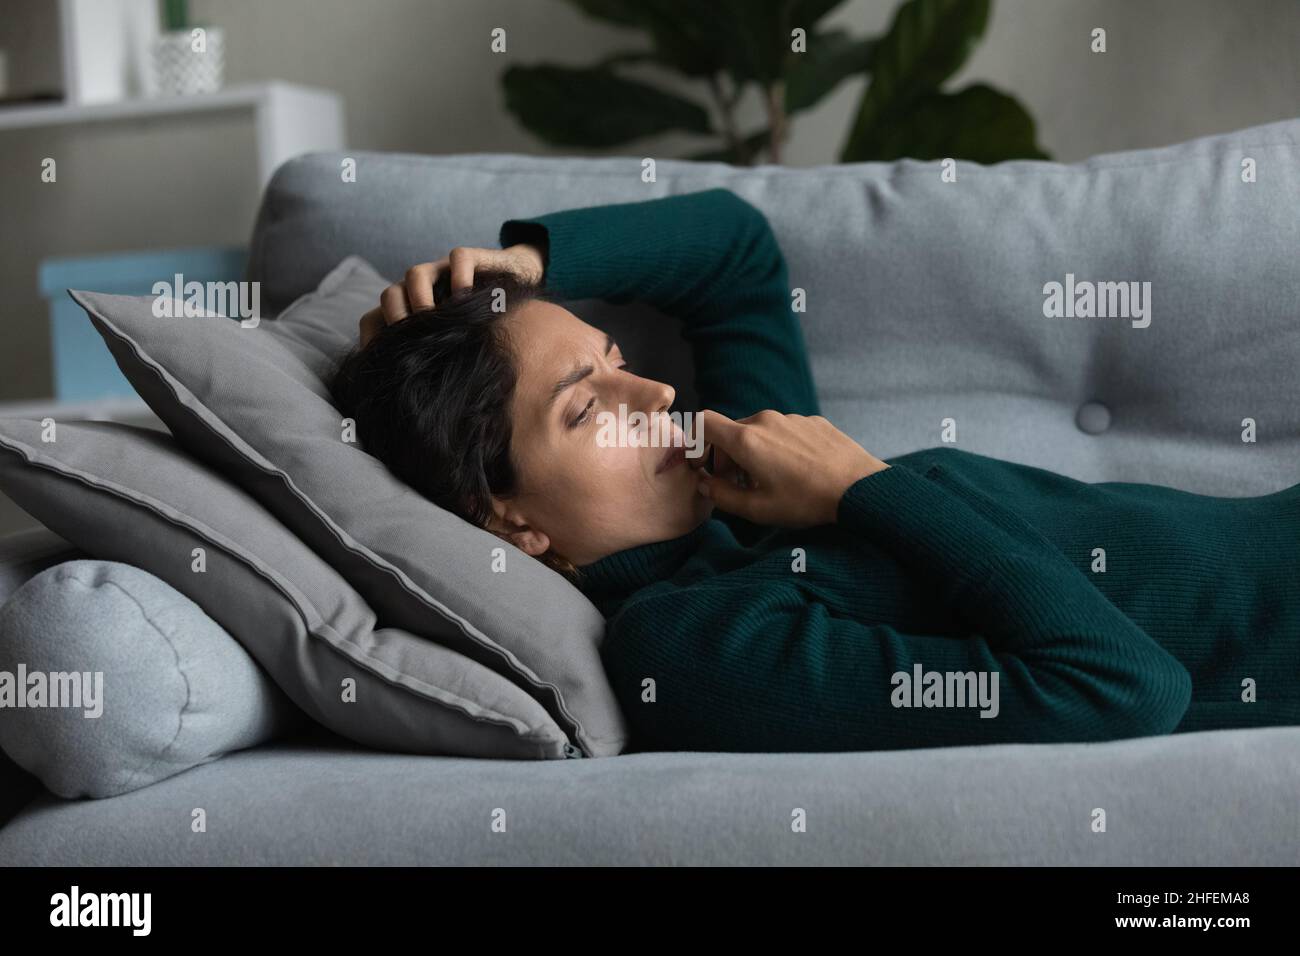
{"x":770,"y":667}
{"x":708,"y":258}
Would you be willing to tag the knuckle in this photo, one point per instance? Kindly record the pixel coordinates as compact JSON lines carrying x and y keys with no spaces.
{"x":392,"y":302}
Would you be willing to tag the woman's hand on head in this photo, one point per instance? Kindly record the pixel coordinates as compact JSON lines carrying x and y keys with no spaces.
{"x":415,"y":292}
{"x":789,"y":471}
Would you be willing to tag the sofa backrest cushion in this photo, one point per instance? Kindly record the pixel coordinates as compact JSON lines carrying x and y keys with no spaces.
{"x":925,"y":294}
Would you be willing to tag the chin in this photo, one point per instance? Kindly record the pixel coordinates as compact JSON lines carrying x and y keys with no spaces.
{"x":686,"y":520}
{"x":683,"y":516}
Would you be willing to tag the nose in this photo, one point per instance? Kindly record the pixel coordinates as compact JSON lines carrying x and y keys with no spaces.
{"x":654,"y":396}
{"x":667,"y":395}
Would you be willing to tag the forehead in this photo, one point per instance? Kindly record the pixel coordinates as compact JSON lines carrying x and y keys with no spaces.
{"x":548,"y":341}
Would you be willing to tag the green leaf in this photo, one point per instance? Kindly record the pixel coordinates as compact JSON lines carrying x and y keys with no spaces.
{"x":176,"y":15}
{"x":761,"y":30}
{"x":695,"y":38}
{"x":831,"y":58}
{"x":621,"y":12}
{"x":595,"y":107}
{"x":927,"y":42}
{"x":749,"y":39}
{"x":630,"y":56}
{"x":806,"y":13}
{"x":758,"y":38}
{"x":978,"y":124}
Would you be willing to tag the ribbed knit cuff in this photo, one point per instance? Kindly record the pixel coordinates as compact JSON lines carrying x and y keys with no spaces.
{"x":578,"y":271}
{"x":659,"y":250}
{"x":526,"y":231}
{"x":925,"y":525}
{"x":583,"y":251}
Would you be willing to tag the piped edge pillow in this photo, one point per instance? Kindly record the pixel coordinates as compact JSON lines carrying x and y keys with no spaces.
{"x":133,"y":682}
{"x":251,"y":401}
{"x":129,"y":494}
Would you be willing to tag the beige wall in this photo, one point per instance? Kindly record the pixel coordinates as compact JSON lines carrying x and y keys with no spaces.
{"x":417,"y":75}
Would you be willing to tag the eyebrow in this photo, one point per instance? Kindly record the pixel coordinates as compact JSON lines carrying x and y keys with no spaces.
{"x":578,"y":374}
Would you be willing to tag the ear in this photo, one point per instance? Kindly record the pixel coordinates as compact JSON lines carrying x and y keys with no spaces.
{"x":508,"y":523}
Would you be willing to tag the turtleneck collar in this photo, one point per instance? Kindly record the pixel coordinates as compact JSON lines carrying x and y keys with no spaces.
{"x":623,"y":572}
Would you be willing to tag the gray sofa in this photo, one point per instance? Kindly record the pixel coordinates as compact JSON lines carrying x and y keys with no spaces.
{"x":925,"y":312}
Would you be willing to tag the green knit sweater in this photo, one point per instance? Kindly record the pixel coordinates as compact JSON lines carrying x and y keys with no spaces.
{"x":958,"y":599}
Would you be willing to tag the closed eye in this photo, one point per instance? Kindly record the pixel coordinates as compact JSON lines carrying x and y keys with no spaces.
{"x":582,"y":417}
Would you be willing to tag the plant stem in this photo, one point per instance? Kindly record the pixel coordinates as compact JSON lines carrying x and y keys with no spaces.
{"x":776,"y":119}
{"x":726,"y":109}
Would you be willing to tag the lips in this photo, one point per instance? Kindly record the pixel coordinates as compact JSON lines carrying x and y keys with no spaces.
{"x":673,"y":456}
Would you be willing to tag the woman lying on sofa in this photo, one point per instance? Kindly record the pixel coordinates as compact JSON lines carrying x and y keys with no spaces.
{"x":790,"y":591}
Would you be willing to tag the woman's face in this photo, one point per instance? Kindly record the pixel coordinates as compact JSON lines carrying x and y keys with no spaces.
{"x":582,"y":491}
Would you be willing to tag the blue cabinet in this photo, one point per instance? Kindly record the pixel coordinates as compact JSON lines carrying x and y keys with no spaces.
{"x":84,"y":369}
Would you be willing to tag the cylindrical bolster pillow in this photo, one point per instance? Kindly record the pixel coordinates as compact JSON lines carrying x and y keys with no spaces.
{"x":111,"y":679}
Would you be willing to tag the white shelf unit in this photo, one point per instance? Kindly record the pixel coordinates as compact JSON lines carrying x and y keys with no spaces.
{"x":289,"y":119}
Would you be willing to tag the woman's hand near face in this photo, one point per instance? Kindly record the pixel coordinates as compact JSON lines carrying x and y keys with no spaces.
{"x":415,"y":292}
{"x":795,"y":468}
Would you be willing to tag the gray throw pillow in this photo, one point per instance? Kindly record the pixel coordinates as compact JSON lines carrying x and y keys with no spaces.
{"x":25,"y":554}
{"x":135,"y":682}
{"x":250,"y":399}
{"x":128,"y":494}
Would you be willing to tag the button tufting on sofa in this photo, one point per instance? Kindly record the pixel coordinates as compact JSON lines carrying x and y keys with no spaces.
{"x":1093,"y":418}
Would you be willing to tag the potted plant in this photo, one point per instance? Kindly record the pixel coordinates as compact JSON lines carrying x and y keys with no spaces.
{"x":781,"y":52}
{"x":187,"y":58}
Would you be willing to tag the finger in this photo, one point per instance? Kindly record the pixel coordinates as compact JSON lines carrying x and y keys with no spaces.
{"x":705,"y":459}
{"x":393,"y":303}
{"x":462,"y":268}
{"x":419,"y":285}
{"x":370,"y":323}
{"x":720,"y":431}
{"x":741,"y":502}
{"x":439,"y":267}
{"x":723,"y":465}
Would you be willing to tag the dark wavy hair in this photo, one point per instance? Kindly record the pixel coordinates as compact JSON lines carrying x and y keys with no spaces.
{"x":431,"y":396}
